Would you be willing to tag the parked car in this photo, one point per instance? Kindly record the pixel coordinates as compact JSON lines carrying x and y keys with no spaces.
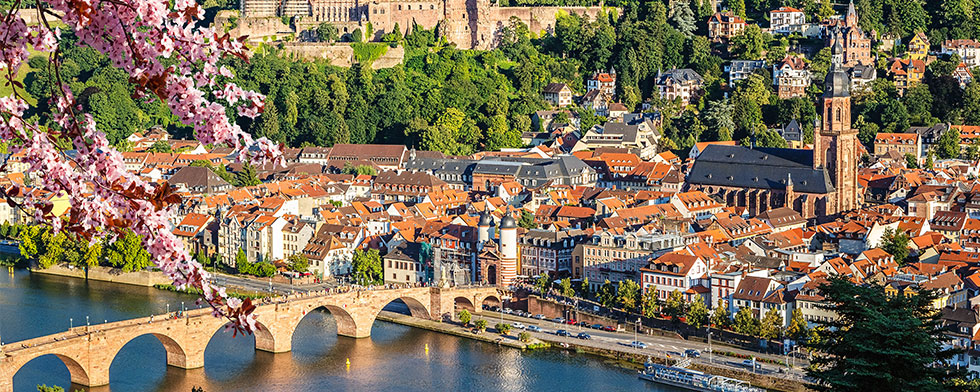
{"x":692,"y":353}
{"x":562,"y":332}
{"x":534,"y":328}
{"x":519,"y":325}
{"x":508,"y":310}
{"x":570,"y":322}
{"x":749,"y":364}
{"x":559,"y":320}
{"x":584,"y":336}
{"x":582,"y":324}
{"x":609,"y":328}
{"x":596,"y":326}
{"x":638,"y":344}
{"x":539,"y":316}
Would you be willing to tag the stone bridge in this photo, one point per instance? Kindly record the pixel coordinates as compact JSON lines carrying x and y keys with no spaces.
{"x":88,"y":351}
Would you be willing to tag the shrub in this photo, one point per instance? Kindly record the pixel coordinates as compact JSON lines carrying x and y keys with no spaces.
{"x":481,"y":324}
{"x":465,"y":317}
{"x":503,"y":328}
{"x":524,"y":337}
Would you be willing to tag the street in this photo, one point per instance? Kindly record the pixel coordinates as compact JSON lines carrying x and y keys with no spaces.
{"x":657,"y":346}
{"x":263,"y":285}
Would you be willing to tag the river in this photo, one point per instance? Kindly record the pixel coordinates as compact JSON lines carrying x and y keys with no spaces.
{"x":394,"y":357}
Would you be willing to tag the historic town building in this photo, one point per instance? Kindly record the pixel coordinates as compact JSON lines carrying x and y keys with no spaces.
{"x":818,"y":183}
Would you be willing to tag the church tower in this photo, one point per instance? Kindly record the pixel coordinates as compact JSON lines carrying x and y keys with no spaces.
{"x":835,"y":147}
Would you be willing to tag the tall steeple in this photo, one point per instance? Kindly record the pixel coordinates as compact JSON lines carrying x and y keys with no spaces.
{"x":851,"y":19}
{"x":835,"y":147}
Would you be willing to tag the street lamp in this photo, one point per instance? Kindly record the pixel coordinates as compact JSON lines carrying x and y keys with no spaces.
{"x":709,"y":345}
{"x":70,"y":323}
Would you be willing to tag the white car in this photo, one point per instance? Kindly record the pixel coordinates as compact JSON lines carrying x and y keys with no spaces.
{"x":519,"y":326}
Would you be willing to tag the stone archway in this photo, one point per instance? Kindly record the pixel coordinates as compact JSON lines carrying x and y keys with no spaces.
{"x":491,"y":300}
{"x":461,"y":303}
{"x":492,"y":274}
{"x":79,"y":375}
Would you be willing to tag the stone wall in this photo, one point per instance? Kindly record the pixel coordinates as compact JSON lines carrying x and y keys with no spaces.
{"x":115,"y":275}
{"x":255,"y":28}
{"x":341,"y":54}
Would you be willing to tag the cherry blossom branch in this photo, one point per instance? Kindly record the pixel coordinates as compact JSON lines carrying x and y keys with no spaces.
{"x":104,"y":198}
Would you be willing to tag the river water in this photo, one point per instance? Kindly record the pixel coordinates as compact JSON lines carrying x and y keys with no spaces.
{"x":394,"y":357}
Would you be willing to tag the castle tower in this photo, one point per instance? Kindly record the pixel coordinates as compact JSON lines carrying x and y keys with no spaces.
{"x":508,"y":250}
{"x":484,"y":230}
{"x":835,"y":148}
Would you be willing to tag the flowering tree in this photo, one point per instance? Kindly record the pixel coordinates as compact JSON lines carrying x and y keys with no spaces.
{"x":167,"y":56}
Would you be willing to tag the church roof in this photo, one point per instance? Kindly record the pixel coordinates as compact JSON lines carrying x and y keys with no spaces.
{"x":763,"y":168}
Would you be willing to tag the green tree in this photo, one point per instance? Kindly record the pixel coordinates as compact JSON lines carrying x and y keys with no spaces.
{"x":356,"y":35}
{"x":160,"y":146}
{"x":298,"y":262}
{"x":527,"y":220}
{"x":769,"y":138}
{"x":127,"y":252}
{"x":46,"y":388}
{"x":246,"y":177}
{"x":697,"y":313}
{"x":242,"y":264}
{"x":366,"y":267}
{"x":650,"y":303}
{"x":453,"y":133}
{"x":481,"y":324}
{"x":566,"y":287}
{"x":584,"y":290}
{"x":798,"y":329}
{"x":628,"y":295}
{"x":911,"y":161}
{"x":948,"y":145}
{"x":327,"y":32}
{"x":896,"y":244}
{"x":607,"y":294}
{"x":736,"y":6}
{"x":880,"y":342}
{"x":749,"y":44}
{"x":543,"y":283}
{"x":502,"y":328}
{"x":524,"y":337}
{"x":464,"y":317}
{"x":746,"y":323}
{"x":675,"y":306}
{"x":772,"y":325}
{"x":721,"y":317}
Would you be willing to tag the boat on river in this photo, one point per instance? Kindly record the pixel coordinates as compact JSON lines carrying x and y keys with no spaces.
{"x":694,"y":380}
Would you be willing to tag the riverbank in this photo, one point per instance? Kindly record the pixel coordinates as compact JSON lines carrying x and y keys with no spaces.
{"x":624,"y":357}
{"x":451,"y":329}
{"x":105,"y":274}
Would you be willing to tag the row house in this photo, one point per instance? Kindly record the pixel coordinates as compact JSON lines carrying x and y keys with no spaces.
{"x":617,"y":257}
{"x":722,"y":26}
{"x":906,"y":73}
{"x":194,"y":234}
{"x":786,"y":20}
{"x":405,"y":186}
{"x":545,"y":252}
{"x":918,"y":46}
{"x":963,"y":75}
{"x":903,"y":143}
{"x":603,"y":82}
{"x":791,"y":77}
{"x":696,"y":204}
{"x":559,"y":94}
{"x":684,"y":84}
{"x":676,"y":271}
{"x":761,"y":295}
{"x":741,"y":69}
{"x":967,"y":49}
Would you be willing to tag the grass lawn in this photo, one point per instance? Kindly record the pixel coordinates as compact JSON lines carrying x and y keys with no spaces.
{"x":6,"y":89}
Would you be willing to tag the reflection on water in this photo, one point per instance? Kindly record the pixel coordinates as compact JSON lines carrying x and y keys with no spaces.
{"x":394,"y":356}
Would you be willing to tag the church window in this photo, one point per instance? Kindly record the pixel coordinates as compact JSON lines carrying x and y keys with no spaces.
{"x":838,"y":115}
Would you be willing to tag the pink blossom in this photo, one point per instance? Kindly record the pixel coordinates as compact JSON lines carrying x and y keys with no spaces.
{"x":104,"y":197}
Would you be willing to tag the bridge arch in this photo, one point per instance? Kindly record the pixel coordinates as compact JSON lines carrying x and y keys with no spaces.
{"x":416,"y":308}
{"x":461,"y":303}
{"x":78,"y":373}
{"x":176,"y":353}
